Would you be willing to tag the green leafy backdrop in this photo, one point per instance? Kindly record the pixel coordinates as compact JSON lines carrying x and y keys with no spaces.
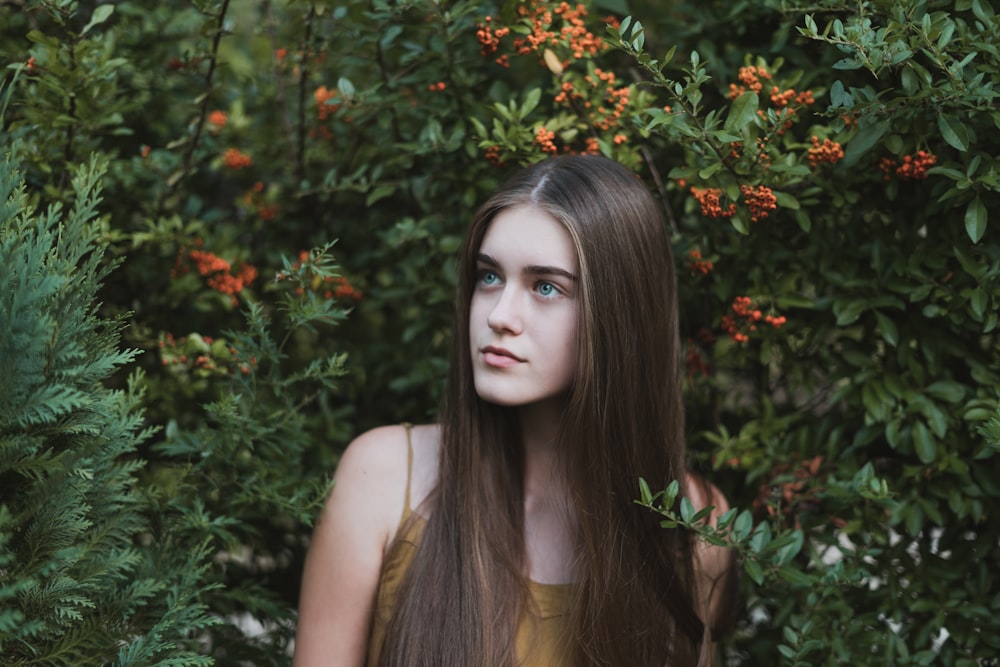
{"x":270,"y":266}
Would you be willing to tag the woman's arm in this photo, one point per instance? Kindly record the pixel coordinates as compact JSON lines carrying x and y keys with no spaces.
{"x":341,"y":575}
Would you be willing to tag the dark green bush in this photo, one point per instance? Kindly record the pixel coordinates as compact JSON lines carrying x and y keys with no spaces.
{"x":82,"y":580}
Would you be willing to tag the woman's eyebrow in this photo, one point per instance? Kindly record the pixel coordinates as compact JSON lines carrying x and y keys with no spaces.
{"x":531,"y":269}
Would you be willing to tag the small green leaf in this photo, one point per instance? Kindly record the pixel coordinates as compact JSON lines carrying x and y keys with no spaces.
{"x":752,"y":568}
{"x":954,"y":133}
{"x":687,"y":509}
{"x":849,"y":311}
{"x":863,"y":141}
{"x":345,"y":86}
{"x":742,"y":525}
{"x":946,"y":390}
{"x":742,"y":112}
{"x":670,"y":494}
{"x":786,"y":200}
{"x":923,"y":443}
{"x":976,"y":217}
{"x":101,"y":14}
{"x":887,"y":328}
{"x":645,"y":495}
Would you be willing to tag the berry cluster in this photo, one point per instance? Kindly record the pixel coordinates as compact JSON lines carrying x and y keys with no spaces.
{"x":324,"y":108}
{"x":545,"y":138}
{"x":829,"y":152}
{"x":760,"y":200}
{"x":202,"y":355}
{"x":750,"y":79}
{"x":235,"y":159}
{"x":913,"y":167}
{"x":698,"y":265}
{"x":744,"y":319}
{"x":255,"y":199}
{"x":711,"y":204}
{"x":218,"y":119}
{"x":216,"y":271}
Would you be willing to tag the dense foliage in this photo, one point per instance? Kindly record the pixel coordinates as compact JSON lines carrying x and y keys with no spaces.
{"x":285,"y":185}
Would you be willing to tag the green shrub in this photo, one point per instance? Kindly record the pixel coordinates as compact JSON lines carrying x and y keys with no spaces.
{"x":79,"y":581}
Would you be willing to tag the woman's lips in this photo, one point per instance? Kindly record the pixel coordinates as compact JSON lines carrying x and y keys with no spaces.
{"x":498,"y":357}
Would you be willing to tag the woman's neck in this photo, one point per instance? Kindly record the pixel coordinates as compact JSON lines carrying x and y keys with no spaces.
{"x":541,"y":427}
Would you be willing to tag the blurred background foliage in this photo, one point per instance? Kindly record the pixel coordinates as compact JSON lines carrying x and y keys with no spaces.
{"x":285,"y":184}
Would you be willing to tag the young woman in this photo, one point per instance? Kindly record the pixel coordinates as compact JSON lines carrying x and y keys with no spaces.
{"x":508,"y":533}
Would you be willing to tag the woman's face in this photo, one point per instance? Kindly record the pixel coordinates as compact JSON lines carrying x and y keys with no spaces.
{"x":524,"y":315}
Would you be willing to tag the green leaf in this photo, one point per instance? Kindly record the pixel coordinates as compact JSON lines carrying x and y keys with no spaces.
{"x":946,"y":390}
{"x":345,"y":86}
{"x":976,"y":217}
{"x":924,"y":443}
{"x":789,"y":551}
{"x":531,"y":101}
{"x":863,"y":141}
{"x":887,"y":328}
{"x":645,"y":495}
{"x":954,"y":133}
{"x":101,"y":14}
{"x":786,"y":200}
{"x":742,"y":112}
{"x":742,"y":525}
{"x":687,"y":509}
{"x":753,"y":570}
{"x":670,"y":494}
{"x":847,"y":312}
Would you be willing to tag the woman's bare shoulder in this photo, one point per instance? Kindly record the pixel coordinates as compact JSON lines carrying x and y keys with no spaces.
{"x":377,"y":465}
{"x":715,"y":565}
{"x":342,"y":569}
{"x":702,"y":493}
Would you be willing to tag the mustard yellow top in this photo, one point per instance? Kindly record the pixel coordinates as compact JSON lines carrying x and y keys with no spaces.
{"x":541,"y":634}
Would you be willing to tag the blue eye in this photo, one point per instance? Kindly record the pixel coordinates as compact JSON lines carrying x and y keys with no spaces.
{"x":488,"y":278}
{"x":547,"y":289}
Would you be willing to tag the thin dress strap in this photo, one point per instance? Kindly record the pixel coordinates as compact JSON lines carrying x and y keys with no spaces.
{"x":409,"y":468}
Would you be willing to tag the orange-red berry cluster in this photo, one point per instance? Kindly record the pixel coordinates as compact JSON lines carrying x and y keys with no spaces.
{"x":782,"y":98}
{"x":744,"y":319}
{"x":254,"y":198}
{"x":216,"y":271}
{"x":915,"y":167}
{"x":611,"y":106}
{"x":693,"y":357}
{"x":545,"y":138}
{"x":493,"y":156}
{"x":760,"y":200}
{"x":489,"y":38}
{"x":218,"y":119}
{"x":750,"y":78}
{"x":234,"y":159}
{"x":912,"y":168}
{"x":710,"y":200}
{"x":437,"y":87}
{"x":829,"y":152}
{"x":324,"y":108}
{"x":698,"y":265}
{"x":551,"y":25}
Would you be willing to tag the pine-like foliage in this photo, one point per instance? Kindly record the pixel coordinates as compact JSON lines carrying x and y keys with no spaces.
{"x":78,"y":583}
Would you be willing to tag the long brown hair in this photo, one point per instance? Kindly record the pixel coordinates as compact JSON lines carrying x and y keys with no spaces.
{"x":634,"y":601}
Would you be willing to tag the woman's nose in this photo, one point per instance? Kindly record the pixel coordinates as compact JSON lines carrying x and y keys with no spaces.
{"x":506,"y":312}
